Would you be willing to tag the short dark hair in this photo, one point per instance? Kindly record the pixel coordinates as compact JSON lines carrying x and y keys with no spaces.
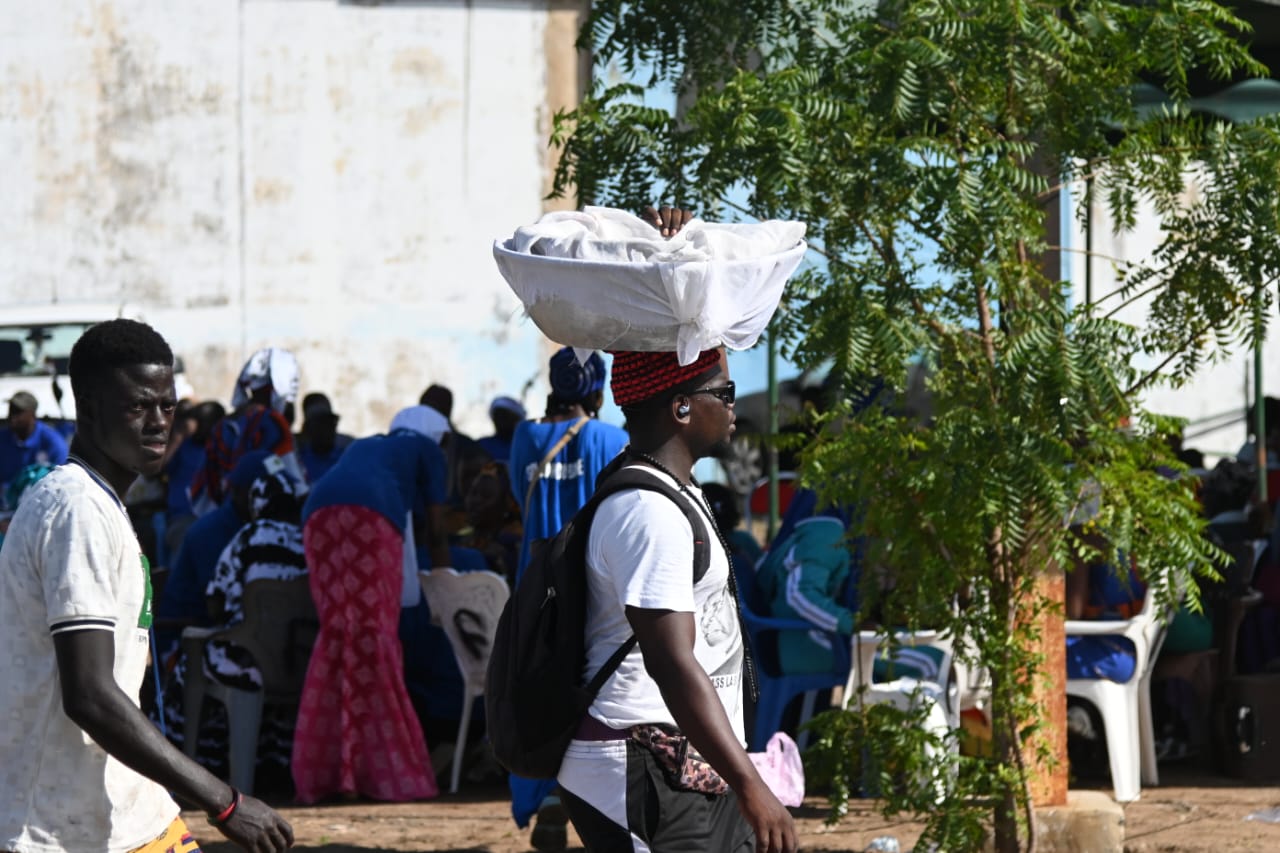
{"x":439,"y":398}
{"x":314,"y":397}
{"x":107,"y":346}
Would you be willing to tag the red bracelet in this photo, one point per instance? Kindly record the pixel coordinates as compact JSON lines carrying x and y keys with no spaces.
{"x":226,"y":813}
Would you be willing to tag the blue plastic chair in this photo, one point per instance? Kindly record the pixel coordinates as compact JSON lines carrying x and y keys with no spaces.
{"x":777,"y":689}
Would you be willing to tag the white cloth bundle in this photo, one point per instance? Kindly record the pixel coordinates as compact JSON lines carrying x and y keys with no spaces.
{"x":605,"y":279}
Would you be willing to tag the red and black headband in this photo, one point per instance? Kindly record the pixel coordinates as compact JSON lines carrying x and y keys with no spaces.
{"x":641,"y":376}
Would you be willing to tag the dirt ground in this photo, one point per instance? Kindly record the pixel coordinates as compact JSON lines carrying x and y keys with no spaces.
{"x":1188,"y":813}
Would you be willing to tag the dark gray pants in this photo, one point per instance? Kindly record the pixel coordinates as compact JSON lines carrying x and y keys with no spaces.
{"x":660,"y":819}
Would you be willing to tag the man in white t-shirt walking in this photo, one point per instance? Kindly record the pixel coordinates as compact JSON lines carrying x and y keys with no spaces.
{"x":684,"y":679}
{"x":81,"y":767}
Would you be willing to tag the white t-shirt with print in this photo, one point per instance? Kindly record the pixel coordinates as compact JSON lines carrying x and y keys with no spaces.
{"x":640,"y":554}
{"x":70,"y":562}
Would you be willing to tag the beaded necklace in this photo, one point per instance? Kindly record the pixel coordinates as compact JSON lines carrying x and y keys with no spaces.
{"x":748,"y":661}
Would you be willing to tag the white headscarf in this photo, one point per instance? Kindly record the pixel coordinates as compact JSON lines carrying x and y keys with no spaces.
{"x":272,"y":368}
{"x":423,"y":420}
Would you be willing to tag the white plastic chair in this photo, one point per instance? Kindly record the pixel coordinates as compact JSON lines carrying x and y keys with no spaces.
{"x":467,"y":606}
{"x":1126,"y":708}
{"x":963,"y":686}
{"x":940,"y":698}
{"x":279,"y":630}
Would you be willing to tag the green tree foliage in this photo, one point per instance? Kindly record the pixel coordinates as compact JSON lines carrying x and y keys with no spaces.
{"x":922,"y":141}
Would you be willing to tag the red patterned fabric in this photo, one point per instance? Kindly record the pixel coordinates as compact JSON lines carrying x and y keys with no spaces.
{"x":357,"y":731}
{"x":637,"y":376}
{"x":256,"y":428}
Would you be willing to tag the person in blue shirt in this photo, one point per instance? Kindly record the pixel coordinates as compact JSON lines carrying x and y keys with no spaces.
{"x":27,"y":441}
{"x":1099,"y":590}
{"x":506,"y":414}
{"x":548,"y":498}
{"x":186,"y":457}
{"x":319,"y":444}
{"x":567,"y":480}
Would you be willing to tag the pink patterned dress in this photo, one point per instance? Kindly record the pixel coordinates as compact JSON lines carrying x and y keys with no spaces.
{"x":357,"y":732}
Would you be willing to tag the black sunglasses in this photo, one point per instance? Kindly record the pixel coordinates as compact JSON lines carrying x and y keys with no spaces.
{"x":726,"y":393}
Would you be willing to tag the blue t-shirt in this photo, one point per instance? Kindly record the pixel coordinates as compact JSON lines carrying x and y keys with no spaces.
{"x":568,"y":480}
{"x":184,"y":590}
{"x":44,"y":445}
{"x":316,"y":464}
{"x":389,"y":474}
{"x":182,"y":468}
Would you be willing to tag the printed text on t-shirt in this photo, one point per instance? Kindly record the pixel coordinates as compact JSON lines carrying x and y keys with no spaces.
{"x":556,"y":470}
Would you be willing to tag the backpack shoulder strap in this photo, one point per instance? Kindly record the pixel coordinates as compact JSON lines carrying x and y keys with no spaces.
{"x":630,"y":478}
{"x":619,"y":478}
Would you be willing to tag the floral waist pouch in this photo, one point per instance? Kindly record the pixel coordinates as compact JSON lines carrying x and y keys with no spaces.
{"x":683,"y":766}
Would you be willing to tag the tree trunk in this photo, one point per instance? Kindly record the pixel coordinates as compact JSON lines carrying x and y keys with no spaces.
{"x":1049,"y":692}
{"x":1004,"y":724}
{"x":1006,"y":752}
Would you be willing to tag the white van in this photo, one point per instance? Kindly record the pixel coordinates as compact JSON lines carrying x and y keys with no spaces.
{"x":35,"y":347}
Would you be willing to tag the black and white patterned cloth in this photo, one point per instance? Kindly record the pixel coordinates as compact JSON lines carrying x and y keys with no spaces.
{"x":267,"y":548}
{"x":263,"y":550}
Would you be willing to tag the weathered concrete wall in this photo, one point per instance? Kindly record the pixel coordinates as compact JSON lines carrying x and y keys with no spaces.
{"x":1219,"y":390}
{"x":307,"y":173}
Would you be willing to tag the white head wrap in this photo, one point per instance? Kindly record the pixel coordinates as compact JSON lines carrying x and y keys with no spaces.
{"x":423,"y":420}
{"x":272,"y":368}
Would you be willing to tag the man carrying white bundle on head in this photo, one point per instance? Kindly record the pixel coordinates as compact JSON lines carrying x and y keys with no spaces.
{"x":659,"y":762}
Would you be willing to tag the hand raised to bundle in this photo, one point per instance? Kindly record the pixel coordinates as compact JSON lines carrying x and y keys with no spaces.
{"x":668,"y":220}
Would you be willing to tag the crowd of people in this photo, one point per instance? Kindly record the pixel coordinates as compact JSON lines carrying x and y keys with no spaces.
{"x":188,"y":504}
{"x":210,"y":500}
{"x":217,"y":499}
{"x":245,"y":498}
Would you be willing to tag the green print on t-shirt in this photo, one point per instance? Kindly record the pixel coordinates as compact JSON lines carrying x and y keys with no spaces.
{"x":144,"y":617}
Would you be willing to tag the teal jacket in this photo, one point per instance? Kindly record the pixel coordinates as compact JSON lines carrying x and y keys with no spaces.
{"x":802,"y":577}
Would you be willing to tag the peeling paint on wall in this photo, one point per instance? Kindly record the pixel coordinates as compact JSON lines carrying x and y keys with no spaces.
{"x":380,"y":149}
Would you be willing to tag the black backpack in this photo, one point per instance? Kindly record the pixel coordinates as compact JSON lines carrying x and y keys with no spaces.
{"x":534,"y":696}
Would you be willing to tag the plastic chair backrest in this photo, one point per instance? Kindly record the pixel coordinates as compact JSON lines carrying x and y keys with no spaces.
{"x":468,"y":606}
{"x":755,"y":614}
{"x":279,"y":630}
{"x":1146,"y":629}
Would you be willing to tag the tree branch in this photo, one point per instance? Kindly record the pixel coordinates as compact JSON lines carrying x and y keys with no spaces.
{"x":1132,"y":299}
{"x":1155,"y":371}
{"x":984,"y":323}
